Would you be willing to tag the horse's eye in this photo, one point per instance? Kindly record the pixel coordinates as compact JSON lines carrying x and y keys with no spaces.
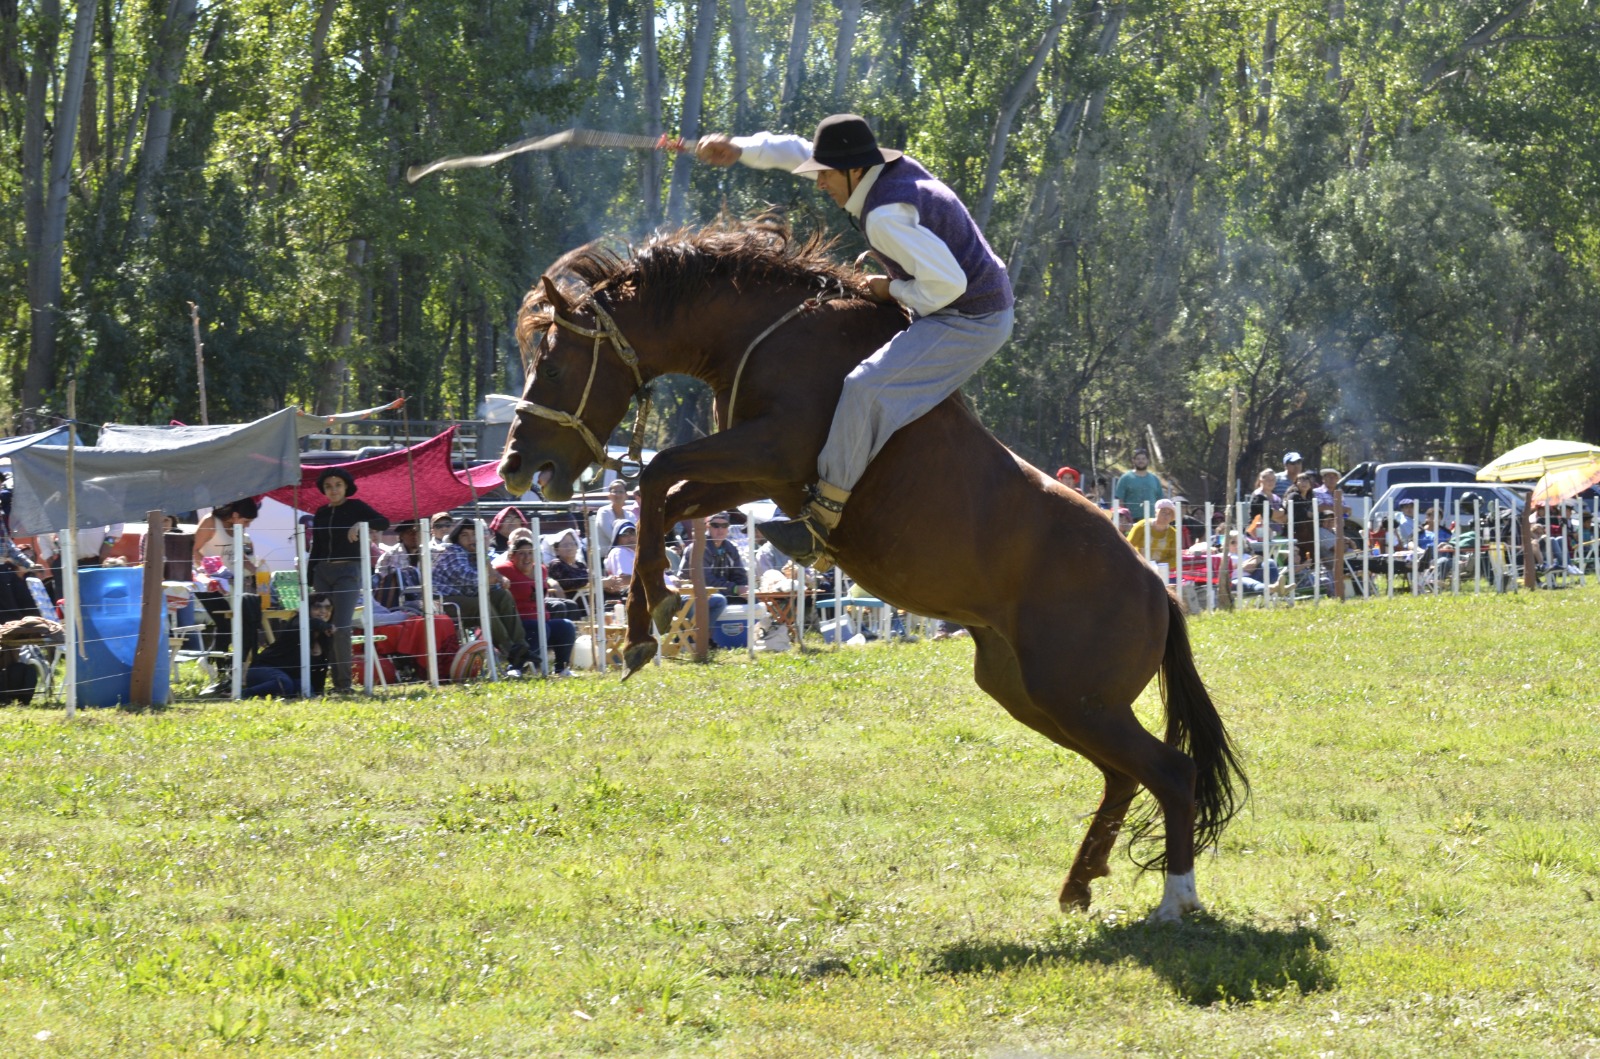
{"x":549,"y":371}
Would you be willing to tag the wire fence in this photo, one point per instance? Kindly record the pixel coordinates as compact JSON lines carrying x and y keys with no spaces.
{"x":1256,"y":554}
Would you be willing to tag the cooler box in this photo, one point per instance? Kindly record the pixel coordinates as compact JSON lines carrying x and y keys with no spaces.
{"x":835,"y":630}
{"x":730,"y":627}
{"x":110,"y":600}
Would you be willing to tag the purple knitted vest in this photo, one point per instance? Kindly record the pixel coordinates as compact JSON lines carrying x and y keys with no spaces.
{"x":941,"y":212}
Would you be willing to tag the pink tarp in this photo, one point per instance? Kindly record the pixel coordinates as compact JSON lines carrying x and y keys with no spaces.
{"x":385,"y":481}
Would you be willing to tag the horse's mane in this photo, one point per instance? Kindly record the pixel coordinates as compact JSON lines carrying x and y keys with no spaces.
{"x":683,"y":262}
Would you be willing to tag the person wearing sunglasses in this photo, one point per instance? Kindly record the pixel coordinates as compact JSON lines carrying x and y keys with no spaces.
{"x":724,"y":567}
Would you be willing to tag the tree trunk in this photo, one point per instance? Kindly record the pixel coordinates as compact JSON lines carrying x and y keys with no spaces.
{"x":330,"y":386}
{"x":173,"y":46}
{"x":1065,"y":146}
{"x":483,"y":349}
{"x":1332,"y":54}
{"x":794,"y":71}
{"x":89,"y":119}
{"x":330,"y":382}
{"x":1269,"y":62}
{"x":310,"y":92}
{"x":108,"y":52}
{"x":46,"y":243}
{"x":739,"y":44}
{"x":694,"y":89}
{"x":844,"y":48}
{"x":651,"y":69}
{"x":13,"y":70}
{"x":1061,"y":10}
{"x":1479,"y":39}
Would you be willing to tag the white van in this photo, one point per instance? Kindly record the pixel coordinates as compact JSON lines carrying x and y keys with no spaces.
{"x":1365,"y":482}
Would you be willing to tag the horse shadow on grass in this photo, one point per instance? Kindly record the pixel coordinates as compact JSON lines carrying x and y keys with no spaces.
{"x":1204,"y":959}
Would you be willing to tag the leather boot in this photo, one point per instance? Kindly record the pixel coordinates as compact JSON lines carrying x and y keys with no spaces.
{"x":805,"y":539}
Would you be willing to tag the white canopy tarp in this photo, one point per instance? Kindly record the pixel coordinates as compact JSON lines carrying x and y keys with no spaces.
{"x":56,"y":436}
{"x":138,"y":469}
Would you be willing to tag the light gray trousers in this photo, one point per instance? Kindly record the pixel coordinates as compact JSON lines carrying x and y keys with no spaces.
{"x":915,"y":370}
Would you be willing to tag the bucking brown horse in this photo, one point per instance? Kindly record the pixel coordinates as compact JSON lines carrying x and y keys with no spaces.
{"x":1069,"y":623}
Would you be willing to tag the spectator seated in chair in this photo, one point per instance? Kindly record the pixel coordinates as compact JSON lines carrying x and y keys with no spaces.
{"x":213,"y":558}
{"x":621,"y":509}
{"x":398,"y":576}
{"x":618,"y":564}
{"x":1156,"y":538}
{"x":723,"y":566}
{"x":521,"y":568}
{"x":567,"y":569}
{"x":502,"y":526}
{"x":455,"y":578}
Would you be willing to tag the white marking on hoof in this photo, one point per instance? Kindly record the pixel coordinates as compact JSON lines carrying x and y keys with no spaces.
{"x":1179,"y":898}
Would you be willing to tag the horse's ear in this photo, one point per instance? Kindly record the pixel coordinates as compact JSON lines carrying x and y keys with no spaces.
{"x":552,"y":294}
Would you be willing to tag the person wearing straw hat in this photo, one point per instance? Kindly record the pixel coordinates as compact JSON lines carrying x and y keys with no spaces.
{"x":938,"y":265}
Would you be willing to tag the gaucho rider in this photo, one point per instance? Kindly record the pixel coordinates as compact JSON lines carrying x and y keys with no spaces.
{"x":940,"y":267}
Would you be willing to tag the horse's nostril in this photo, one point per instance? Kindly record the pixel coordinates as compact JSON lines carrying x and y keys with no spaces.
{"x":510,"y":463}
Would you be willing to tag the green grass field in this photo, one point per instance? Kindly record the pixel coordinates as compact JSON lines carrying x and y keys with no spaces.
{"x":844,"y":854}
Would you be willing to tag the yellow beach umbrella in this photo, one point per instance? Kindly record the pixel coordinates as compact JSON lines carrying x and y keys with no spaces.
{"x":1566,"y":483}
{"x":1537,"y":459}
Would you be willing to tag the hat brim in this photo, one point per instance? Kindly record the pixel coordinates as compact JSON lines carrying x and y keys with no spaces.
{"x":864,"y":160}
{"x":344,"y":476}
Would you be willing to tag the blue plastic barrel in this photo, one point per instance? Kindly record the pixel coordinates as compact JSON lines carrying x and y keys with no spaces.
{"x":110,"y":598}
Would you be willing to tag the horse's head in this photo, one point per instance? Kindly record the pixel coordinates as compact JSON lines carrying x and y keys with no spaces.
{"x":579,"y":385}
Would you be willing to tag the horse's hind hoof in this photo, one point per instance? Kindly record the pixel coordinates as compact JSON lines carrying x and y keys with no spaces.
{"x":661,"y":614}
{"x":636,"y":655}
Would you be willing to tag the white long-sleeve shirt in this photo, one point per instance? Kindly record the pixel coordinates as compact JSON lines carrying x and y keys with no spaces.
{"x":893,"y":228}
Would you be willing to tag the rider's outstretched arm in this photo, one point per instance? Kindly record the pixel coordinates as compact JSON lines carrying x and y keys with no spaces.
{"x":764,"y":150}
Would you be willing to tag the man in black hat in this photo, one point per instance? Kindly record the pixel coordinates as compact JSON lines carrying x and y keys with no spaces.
{"x":939,"y":267}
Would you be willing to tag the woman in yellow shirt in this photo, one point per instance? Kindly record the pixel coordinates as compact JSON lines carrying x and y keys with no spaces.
{"x":1157,"y":538}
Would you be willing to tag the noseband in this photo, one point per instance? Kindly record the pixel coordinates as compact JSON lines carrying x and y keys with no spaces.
{"x":608,"y":331}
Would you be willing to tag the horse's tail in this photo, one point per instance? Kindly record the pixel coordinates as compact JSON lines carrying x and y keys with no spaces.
{"x":1193,"y":726}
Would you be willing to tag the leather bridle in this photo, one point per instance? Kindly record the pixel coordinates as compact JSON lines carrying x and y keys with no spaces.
{"x":607,"y":331}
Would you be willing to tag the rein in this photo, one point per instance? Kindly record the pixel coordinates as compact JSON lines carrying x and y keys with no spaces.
{"x":828,"y":293}
{"x":608,"y":331}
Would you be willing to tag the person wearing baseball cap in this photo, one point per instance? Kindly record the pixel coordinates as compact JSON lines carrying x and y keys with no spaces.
{"x":938,"y":265}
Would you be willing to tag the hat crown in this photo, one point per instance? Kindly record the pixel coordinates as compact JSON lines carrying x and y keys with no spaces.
{"x":845,"y":141}
{"x":842,"y":135}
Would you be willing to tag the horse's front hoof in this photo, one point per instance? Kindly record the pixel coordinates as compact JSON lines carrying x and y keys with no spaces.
{"x":661,"y":615}
{"x":636,"y":655}
{"x":1075,"y":897}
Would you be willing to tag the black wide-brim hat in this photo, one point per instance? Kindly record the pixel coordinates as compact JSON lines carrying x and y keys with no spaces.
{"x":340,"y":473}
{"x":845,"y":141}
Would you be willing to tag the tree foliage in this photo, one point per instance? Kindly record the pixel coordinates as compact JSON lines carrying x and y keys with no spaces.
{"x":1376,"y":221}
